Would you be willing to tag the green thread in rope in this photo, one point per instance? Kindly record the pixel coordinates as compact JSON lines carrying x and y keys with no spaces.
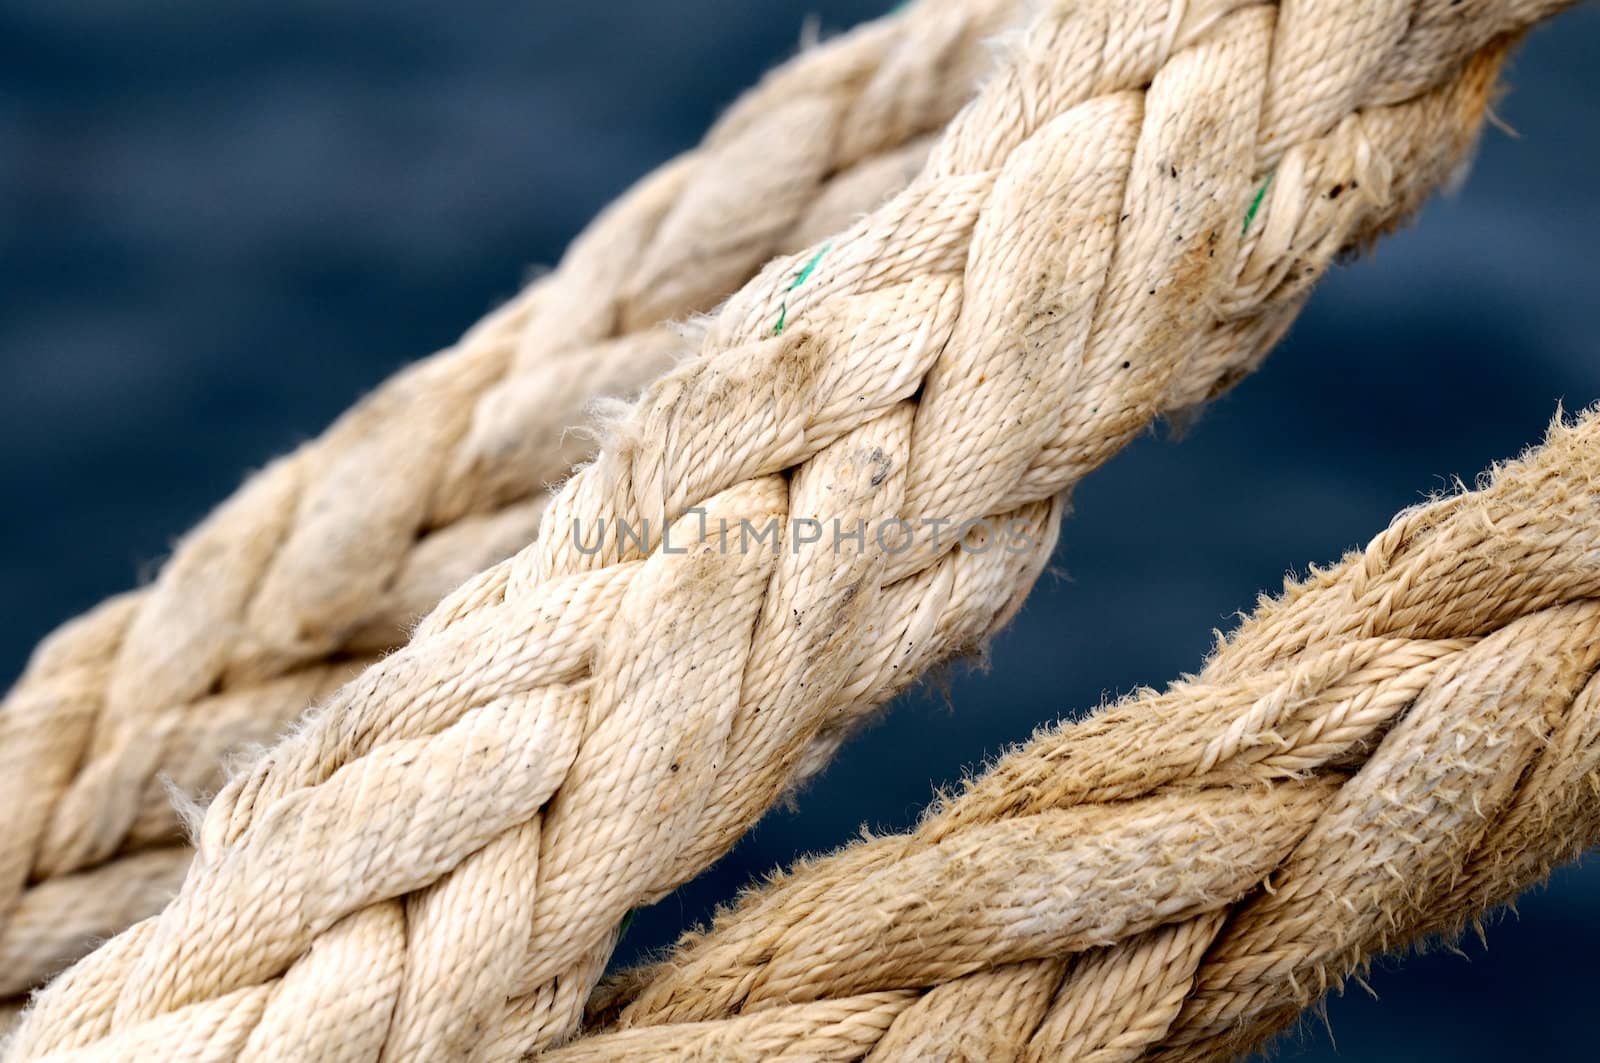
{"x":1255,"y":204}
{"x":627,"y":921}
{"x":799,"y":279}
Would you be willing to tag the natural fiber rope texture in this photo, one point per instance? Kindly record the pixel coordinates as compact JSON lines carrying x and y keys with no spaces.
{"x":326,"y":559}
{"x":1397,"y":744}
{"x":448,"y":847}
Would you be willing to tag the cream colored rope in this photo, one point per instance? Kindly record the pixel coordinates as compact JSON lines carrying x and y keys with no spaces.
{"x":325,"y":560}
{"x":1397,"y":744}
{"x":448,"y":846}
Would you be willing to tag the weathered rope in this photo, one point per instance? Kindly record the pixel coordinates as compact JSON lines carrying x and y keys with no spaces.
{"x":448,"y":847}
{"x":1395,"y":745}
{"x":325,"y":560}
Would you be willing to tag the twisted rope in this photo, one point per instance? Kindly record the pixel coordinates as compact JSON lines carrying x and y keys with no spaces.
{"x":1397,"y":744}
{"x":324,"y":561}
{"x":446,"y":849}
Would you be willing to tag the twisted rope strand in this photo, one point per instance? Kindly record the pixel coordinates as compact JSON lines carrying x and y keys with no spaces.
{"x":322,"y":563}
{"x":841,"y":383}
{"x":1423,"y":742}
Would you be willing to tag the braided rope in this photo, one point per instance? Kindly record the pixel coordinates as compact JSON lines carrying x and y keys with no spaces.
{"x":1397,"y":744}
{"x":448,"y":846}
{"x":323,"y":562}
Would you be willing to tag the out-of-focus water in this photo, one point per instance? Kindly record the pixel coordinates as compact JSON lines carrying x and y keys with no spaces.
{"x":220,"y":223}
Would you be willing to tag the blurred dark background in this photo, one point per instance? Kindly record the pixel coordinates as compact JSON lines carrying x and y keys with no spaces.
{"x":221,"y":223}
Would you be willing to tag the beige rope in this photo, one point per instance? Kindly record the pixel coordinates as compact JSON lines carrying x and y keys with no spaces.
{"x":324,"y":561}
{"x":448,"y":846}
{"x":1395,"y":745}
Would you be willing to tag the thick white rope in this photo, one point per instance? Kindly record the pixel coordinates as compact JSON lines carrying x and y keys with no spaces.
{"x":325,"y":560}
{"x":573,"y":733}
{"x":1397,"y":744}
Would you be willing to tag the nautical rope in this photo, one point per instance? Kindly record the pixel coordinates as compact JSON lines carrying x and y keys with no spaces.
{"x":1395,"y":745}
{"x":324,"y":561}
{"x":448,"y":846}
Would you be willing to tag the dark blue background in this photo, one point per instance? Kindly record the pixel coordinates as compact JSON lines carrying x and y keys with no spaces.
{"x":220,"y":223}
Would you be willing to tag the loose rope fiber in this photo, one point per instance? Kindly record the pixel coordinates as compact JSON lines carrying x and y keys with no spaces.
{"x":324,"y":561}
{"x":1395,"y":745}
{"x":448,"y":846}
